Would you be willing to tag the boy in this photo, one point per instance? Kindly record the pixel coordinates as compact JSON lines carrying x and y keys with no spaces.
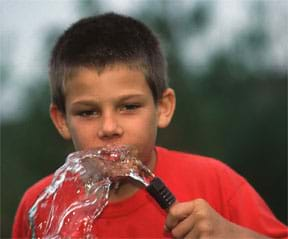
{"x":109,"y":86}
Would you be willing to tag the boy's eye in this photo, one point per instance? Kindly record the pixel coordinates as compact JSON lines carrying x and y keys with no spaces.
{"x":129,"y":107}
{"x":88,"y":113}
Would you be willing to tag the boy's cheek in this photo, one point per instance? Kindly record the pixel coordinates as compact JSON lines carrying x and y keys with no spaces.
{"x":82,"y":141}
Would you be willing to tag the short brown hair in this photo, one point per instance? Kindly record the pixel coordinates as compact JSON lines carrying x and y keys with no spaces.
{"x":104,"y":40}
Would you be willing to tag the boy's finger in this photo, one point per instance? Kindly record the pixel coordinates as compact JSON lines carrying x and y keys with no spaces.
{"x":177,"y":213}
{"x":184,"y":227}
{"x":166,"y":228}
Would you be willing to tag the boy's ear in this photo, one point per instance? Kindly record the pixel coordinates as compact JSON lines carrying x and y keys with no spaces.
{"x":166,"y":108}
{"x":59,"y":121}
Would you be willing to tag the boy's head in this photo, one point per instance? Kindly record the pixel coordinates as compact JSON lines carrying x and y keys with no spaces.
{"x":104,"y":40}
{"x":109,"y":86}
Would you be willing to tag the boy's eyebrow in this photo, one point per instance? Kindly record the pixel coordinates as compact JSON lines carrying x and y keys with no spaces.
{"x":93,"y":101}
{"x":127,"y":97}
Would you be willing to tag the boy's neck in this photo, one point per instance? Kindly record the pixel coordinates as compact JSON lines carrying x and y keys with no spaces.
{"x":128,"y":187}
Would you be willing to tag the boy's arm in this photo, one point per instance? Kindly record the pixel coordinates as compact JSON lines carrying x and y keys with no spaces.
{"x":21,"y":224}
{"x":196,"y":219}
{"x":21,"y":227}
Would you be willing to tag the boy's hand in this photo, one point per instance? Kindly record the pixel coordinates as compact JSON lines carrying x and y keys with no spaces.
{"x":197,"y":219}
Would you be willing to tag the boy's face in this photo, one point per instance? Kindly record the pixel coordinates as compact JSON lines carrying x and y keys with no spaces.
{"x":115,"y":106}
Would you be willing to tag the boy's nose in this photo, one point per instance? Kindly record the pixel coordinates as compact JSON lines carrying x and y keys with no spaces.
{"x":109,"y":127}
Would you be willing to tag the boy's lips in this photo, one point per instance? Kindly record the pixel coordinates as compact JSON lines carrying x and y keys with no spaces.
{"x":113,"y":161}
{"x":116,"y":162}
{"x":111,"y":146}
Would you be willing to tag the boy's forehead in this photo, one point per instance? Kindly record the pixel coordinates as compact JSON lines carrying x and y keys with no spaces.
{"x":120,"y":77}
{"x":133,"y":66}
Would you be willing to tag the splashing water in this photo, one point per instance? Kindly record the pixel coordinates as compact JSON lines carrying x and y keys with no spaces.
{"x":80,"y":189}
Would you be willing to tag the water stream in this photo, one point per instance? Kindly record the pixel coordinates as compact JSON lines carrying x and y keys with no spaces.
{"x":79,"y":191}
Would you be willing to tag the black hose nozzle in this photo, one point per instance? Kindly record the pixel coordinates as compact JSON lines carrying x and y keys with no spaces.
{"x":159,"y":191}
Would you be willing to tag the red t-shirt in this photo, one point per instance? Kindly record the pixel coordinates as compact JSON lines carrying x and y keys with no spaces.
{"x":188,"y":177}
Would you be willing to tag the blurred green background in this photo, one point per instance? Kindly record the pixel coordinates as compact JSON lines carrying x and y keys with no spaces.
{"x":227,"y":62}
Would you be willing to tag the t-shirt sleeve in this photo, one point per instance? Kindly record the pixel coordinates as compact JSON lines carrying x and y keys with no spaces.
{"x":248,"y":209}
{"x":21,"y":223}
{"x":21,"y":227}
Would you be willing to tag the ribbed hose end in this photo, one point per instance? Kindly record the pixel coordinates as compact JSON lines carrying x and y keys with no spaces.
{"x":159,"y":191}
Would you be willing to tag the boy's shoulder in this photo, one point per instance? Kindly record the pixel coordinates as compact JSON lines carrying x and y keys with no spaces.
{"x":36,"y":189}
{"x":189,"y":159}
{"x":201,"y":167}
{"x":195,"y":176}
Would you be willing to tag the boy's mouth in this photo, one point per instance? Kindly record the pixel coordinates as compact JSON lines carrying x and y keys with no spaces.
{"x":115,"y":162}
